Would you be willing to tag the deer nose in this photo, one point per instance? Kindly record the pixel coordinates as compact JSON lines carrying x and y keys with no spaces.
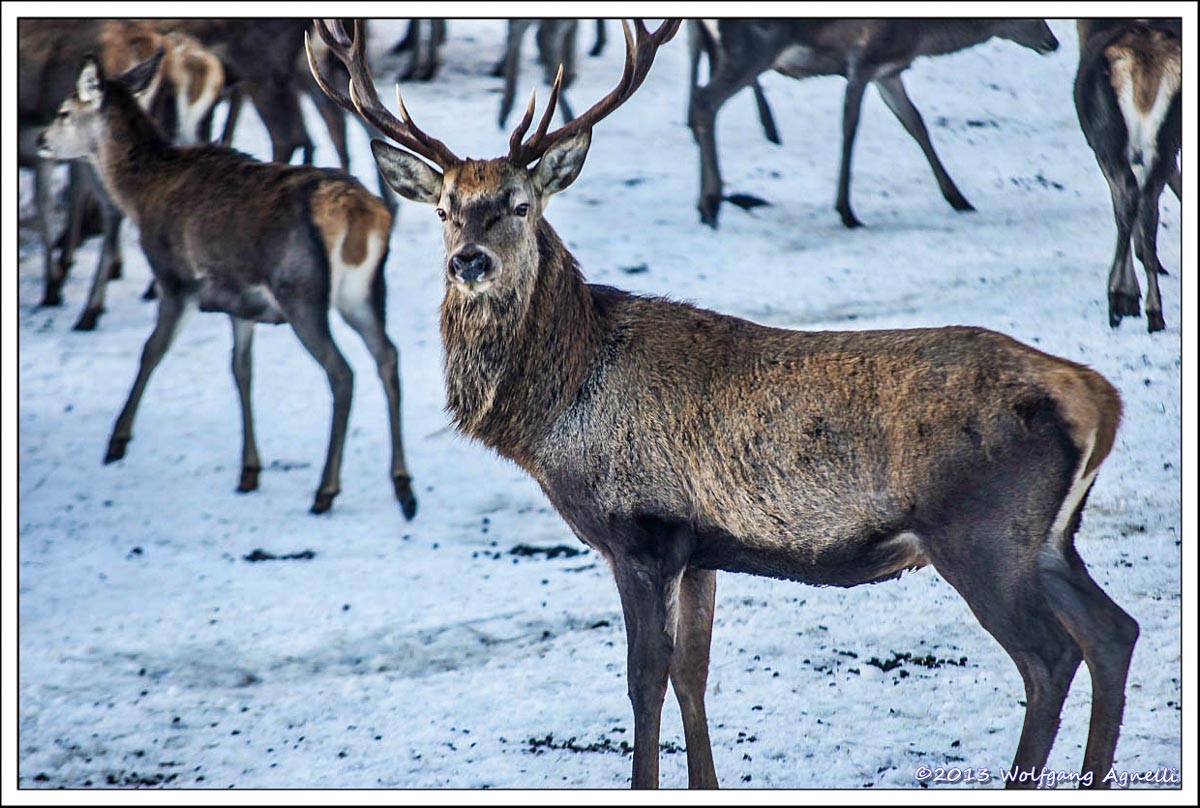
{"x":470,"y":265}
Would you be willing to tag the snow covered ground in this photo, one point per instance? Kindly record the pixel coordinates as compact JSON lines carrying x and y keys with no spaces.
{"x":428,"y":654}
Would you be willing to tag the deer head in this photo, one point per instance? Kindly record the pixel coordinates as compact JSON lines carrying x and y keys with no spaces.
{"x":80,"y":126}
{"x":491,"y":209}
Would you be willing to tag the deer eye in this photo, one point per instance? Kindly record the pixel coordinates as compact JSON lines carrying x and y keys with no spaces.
{"x":441,"y":214}
{"x":521,"y":209}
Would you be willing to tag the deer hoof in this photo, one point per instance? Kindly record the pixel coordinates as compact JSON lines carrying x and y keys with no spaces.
{"x":151,"y":292}
{"x":115,"y":271}
{"x":960,"y":204}
{"x":1121,"y":305}
{"x":323,"y":502}
{"x":249,"y":480}
{"x":404,"y":494}
{"x":1154,"y":321}
{"x":87,"y":320}
{"x":52,"y":297}
{"x":849,"y":219}
{"x":708,"y":207}
{"x":116,"y":450}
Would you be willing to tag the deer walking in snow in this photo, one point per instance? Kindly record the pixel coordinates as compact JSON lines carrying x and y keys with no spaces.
{"x":677,"y":441}
{"x":863,"y":51}
{"x":1127,"y":94}
{"x":262,"y":242}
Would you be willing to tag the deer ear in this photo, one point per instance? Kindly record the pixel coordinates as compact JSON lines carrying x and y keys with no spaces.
{"x":408,"y":175}
{"x":139,"y":77}
{"x":87,"y":85}
{"x":561,"y":164}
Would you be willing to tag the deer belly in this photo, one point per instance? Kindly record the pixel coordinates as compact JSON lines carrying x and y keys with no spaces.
{"x":248,"y":302}
{"x":868,"y":557}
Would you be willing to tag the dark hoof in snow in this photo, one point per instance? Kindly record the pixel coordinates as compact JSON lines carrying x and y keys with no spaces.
{"x":746,"y":201}
{"x":116,"y":450}
{"x":51,"y":298}
{"x":249,"y":481}
{"x":1154,"y":321}
{"x":87,"y":320}
{"x":151,"y":292}
{"x":404,"y":495}
{"x":322,"y":503}
{"x":1122,"y":305}
{"x":115,"y":271}
{"x":960,"y":204}
{"x":708,"y":207}
{"x":849,"y":219}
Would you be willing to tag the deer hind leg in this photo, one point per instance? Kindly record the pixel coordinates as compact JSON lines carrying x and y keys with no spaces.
{"x":1123,"y":290}
{"x":364,"y":313}
{"x":173,"y":307}
{"x":1145,"y":239}
{"x":510,"y":65}
{"x":243,"y":342}
{"x":1175,"y":181}
{"x":689,"y":670}
{"x":310,"y":320}
{"x":897,"y":100}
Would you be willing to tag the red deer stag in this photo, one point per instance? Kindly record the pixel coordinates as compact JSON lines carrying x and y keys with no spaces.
{"x":677,"y":441}
{"x":1127,"y":94}
{"x":864,"y":51}
{"x":262,"y":242}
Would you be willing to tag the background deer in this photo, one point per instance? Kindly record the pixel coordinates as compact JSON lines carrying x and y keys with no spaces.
{"x":1127,"y":94}
{"x":262,"y":242}
{"x":180,"y":98}
{"x":678,"y":441}
{"x":864,"y":52}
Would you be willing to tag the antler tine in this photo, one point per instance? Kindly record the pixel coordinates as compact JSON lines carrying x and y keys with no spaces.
{"x":640,"y":48}
{"x":365,"y":101}
{"x":514,"y":142}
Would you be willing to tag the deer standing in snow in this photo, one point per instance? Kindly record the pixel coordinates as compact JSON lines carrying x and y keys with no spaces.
{"x":1127,"y":94}
{"x":864,"y":51}
{"x":677,"y":441}
{"x":261,"y":242}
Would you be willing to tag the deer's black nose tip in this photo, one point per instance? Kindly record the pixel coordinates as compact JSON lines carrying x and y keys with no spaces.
{"x":470,"y":265}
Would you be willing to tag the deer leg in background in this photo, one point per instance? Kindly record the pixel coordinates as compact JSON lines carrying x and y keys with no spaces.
{"x":764,"y":115}
{"x":1145,"y":240}
{"x":510,"y":64}
{"x":79,"y":200}
{"x":109,"y":265}
{"x":310,"y":320}
{"x":601,"y":39}
{"x":895,"y":96}
{"x":648,"y":592}
{"x":237,"y":96}
{"x":728,"y":78}
{"x":335,"y":119}
{"x":556,"y":46}
{"x":367,"y":318}
{"x":53,"y":275}
{"x":851,"y":106}
{"x":172,"y":308}
{"x":1123,"y":291}
{"x":243,"y":341}
{"x":689,"y":670}
{"x":279,"y":108}
{"x":1175,"y":182}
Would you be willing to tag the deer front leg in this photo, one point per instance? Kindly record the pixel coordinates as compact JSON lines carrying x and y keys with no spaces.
{"x":43,"y":192}
{"x":689,"y":670}
{"x":850,"y":109}
{"x":648,"y":596}
{"x":172,"y":307}
{"x":243,"y":340}
{"x":895,"y":96}
{"x":106,"y":269}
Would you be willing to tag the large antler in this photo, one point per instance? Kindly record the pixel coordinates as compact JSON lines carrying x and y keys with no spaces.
{"x":363,"y":99}
{"x":639,"y":55}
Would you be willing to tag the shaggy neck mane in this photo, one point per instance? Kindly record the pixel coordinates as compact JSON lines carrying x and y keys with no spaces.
{"x":513,"y":361}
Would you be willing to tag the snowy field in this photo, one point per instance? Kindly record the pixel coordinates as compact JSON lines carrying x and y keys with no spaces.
{"x":429,"y":654}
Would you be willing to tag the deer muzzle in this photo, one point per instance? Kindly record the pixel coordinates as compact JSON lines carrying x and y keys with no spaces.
{"x":470,"y":265}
